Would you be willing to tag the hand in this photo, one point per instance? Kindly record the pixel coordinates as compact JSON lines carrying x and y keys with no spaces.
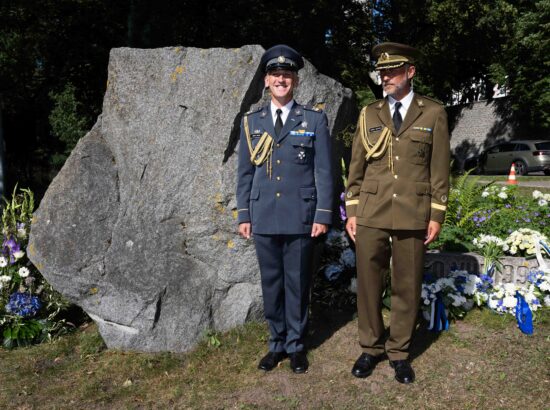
{"x":245,"y":230}
{"x":318,"y":229}
{"x":433,"y":231}
{"x":351,"y":227}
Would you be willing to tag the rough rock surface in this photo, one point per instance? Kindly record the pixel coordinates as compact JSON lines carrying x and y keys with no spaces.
{"x":138,"y":228}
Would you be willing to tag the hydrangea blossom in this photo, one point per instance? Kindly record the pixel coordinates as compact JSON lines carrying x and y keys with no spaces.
{"x":23,"y":304}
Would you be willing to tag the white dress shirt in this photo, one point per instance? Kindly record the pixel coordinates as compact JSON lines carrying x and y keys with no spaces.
{"x":405,"y":104}
{"x":285,"y":111}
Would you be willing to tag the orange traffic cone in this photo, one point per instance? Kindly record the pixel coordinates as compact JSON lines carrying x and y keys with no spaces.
{"x":512,"y":176}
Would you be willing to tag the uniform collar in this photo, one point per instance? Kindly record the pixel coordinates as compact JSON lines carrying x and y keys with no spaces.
{"x":286,"y":109}
{"x":405,"y":102}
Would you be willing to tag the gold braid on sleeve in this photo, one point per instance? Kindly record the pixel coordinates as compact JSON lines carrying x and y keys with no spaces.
{"x":376,"y":150}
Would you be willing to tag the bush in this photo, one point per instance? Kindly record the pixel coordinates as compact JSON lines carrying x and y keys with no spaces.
{"x":29,"y":307}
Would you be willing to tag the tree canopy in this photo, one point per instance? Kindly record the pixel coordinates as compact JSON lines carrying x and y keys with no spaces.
{"x":54,"y":54}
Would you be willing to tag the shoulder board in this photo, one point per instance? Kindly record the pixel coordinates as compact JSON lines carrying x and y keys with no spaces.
{"x":254,"y":110}
{"x":425,"y":97}
{"x":377,"y":104}
{"x":316,"y":107}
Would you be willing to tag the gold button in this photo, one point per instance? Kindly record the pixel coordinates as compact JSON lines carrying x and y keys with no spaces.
{"x":395,"y":176}
{"x":278,"y":161}
{"x":278,"y":178}
{"x":397,"y":139}
{"x":278,"y":194}
{"x":397,"y":157}
{"x":395,"y":195}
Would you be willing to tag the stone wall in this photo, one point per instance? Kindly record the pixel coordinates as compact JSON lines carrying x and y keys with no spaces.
{"x":476,"y":126}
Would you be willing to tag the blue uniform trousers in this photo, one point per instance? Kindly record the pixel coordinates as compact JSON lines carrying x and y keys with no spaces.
{"x":285,"y":268}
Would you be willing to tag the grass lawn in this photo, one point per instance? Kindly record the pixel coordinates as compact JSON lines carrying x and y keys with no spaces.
{"x":484,"y":361}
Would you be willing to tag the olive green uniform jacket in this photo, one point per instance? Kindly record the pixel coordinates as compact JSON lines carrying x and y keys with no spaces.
{"x":416,"y":191}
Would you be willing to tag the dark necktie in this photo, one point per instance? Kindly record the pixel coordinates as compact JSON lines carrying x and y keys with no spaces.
{"x":278,"y":122}
{"x":397,"y":120}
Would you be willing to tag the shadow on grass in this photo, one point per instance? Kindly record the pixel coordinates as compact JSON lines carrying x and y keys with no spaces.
{"x":326,"y":322}
{"x":422,"y":340}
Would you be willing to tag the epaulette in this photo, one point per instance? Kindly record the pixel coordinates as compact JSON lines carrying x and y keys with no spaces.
{"x":253,"y":110}
{"x":431,"y":99}
{"x":378,"y":103}
{"x":319,"y":107}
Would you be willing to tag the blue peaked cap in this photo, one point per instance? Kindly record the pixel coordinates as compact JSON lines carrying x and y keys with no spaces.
{"x":283,"y":57}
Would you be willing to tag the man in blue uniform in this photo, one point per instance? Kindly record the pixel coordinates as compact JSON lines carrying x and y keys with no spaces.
{"x":284,"y":199}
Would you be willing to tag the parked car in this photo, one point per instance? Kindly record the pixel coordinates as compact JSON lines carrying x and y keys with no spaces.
{"x":526,"y":155}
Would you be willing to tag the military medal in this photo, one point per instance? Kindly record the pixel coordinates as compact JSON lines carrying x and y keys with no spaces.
{"x":301,"y":155}
{"x":304,"y":124}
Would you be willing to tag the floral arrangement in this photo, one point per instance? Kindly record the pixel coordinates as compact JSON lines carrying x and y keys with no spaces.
{"x":536,"y":292}
{"x":522,"y":241}
{"x":456,"y":291}
{"x":29,"y":307}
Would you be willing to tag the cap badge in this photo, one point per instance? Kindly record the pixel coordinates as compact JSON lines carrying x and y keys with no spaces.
{"x":349,"y":194}
{"x":281,"y":59}
{"x":384,"y":56}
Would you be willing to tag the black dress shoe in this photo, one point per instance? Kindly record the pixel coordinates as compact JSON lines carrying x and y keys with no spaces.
{"x":364,"y":365}
{"x":404,"y":372}
{"x":298,"y":362}
{"x":271,"y":360}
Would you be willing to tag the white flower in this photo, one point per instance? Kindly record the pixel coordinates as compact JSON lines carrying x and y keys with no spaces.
{"x":18,"y":254}
{"x":510,"y":288}
{"x":509,"y":302}
{"x":537,"y":194}
{"x":5,"y":278}
{"x":543,"y":202}
{"x":547,"y":300}
{"x":485,"y":194}
{"x":3,"y":262}
{"x":458,"y":300}
{"x":492,"y":303}
{"x":545,"y":285}
{"x":502,"y":195}
{"x":22,"y":233}
{"x":23,"y":272}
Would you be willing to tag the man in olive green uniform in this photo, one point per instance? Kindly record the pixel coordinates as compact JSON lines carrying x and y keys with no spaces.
{"x":397,"y":192}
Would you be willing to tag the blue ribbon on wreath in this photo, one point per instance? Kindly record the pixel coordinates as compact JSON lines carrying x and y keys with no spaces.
{"x":524,"y":316}
{"x":438,"y":317}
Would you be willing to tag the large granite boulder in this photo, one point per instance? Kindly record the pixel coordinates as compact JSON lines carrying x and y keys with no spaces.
{"x":138,"y":228}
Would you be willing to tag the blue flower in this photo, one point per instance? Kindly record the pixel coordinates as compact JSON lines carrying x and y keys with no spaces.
{"x":23,"y":304}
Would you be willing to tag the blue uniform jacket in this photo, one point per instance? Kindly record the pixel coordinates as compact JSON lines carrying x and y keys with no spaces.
{"x":299,"y":190}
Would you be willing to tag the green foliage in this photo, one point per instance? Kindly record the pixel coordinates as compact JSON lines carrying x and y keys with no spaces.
{"x":213,"y":338}
{"x":463,"y":200}
{"x":38,"y":318}
{"x":22,"y":333}
{"x":525,"y":60}
{"x":66,"y":119}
